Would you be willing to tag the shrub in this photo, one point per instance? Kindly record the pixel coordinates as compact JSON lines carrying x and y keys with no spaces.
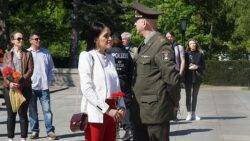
{"x":227,"y":73}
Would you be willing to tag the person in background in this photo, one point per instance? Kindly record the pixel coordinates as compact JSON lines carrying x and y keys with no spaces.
{"x":154,"y":74}
{"x":41,"y":79}
{"x":98,"y":81}
{"x":124,"y":68}
{"x":126,"y":41}
{"x":195,"y":65}
{"x":20,"y":60}
{"x":180,"y":64}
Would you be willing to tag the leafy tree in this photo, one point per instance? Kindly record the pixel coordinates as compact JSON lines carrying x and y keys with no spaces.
{"x":3,"y":28}
{"x":46,"y":17}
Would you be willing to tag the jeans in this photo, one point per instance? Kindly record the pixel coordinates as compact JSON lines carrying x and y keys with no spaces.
{"x":22,"y":112}
{"x":44,"y":97}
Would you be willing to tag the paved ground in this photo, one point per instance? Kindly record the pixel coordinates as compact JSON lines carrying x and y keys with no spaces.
{"x":225,"y":113}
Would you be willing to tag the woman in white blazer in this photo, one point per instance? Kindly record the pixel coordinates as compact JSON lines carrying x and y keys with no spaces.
{"x":98,"y":80}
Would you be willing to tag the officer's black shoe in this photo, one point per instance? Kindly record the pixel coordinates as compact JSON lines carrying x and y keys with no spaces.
{"x":128,"y":135}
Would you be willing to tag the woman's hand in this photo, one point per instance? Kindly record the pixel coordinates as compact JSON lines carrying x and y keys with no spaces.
{"x":14,"y":85}
{"x":111,"y":112}
{"x":116,"y":114}
{"x":193,"y":67}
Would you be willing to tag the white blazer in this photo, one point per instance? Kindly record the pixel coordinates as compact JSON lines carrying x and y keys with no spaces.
{"x":94,"y":87}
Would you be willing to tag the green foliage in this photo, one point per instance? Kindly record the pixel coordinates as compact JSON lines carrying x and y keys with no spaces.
{"x":49,"y":18}
{"x":220,"y":26}
{"x":59,"y":49}
{"x":227,"y":73}
{"x":82,"y":46}
{"x":106,"y":11}
{"x":238,"y":14}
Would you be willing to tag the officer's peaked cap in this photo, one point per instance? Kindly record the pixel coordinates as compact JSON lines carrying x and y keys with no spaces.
{"x":142,"y":11}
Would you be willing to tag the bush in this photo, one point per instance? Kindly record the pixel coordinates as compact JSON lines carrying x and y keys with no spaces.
{"x":227,"y":73}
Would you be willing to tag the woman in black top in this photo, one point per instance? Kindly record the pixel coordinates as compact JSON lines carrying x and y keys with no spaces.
{"x":195,"y":66}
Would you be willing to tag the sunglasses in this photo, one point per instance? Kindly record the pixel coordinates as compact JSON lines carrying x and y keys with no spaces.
{"x":36,"y":39}
{"x":19,"y":39}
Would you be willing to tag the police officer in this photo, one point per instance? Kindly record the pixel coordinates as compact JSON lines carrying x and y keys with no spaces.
{"x":154,"y":77}
{"x":124,"y":67}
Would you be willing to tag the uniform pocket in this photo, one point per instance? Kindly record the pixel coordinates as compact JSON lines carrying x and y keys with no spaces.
{"x":149,"y":108}
{"x":145,"y":60}
{"x":149,"y":99}
{"x":144,"y":65}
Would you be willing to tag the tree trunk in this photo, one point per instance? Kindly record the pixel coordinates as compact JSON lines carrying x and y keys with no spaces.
{"x":74,"y":36}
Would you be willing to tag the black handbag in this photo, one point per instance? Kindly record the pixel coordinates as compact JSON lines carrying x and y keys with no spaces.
{"x":78,"y":122}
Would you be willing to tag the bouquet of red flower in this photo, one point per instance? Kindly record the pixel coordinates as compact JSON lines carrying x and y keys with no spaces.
{"x":16,"y":97}
{"x":117,"y":95}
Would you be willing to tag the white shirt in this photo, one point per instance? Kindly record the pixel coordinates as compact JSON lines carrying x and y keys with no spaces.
{"x":43,"y":69}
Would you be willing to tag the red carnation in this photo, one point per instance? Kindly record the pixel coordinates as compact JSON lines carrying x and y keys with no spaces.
{"x":117,"y":95}
{"x":7,"y":71}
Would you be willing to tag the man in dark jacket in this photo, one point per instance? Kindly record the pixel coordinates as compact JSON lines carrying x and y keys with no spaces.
{"x":154,"y":78}
{"x":124,"y":67}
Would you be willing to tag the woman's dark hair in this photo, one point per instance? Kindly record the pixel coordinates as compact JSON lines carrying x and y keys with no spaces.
{"x":171,"y":33}
{"x":94,"y":32}
{"x":117,"y":40}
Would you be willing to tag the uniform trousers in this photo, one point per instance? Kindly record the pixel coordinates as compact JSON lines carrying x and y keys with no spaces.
{"x":105,"y":131}
{"x":147,"y":132}
{"x":158,"y":132}
{"x":153,"y":132}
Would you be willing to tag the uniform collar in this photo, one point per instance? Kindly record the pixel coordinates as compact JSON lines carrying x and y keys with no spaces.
{"x":149,"y":37}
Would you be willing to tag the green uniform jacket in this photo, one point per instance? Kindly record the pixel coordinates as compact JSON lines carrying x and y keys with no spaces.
{"x":155,"y":77}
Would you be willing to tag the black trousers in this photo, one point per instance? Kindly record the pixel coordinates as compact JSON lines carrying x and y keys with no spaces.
{"x":22,"y":112}
{"x":192,"y":90}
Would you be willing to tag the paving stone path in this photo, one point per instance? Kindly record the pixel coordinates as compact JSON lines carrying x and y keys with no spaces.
{"x":224,"y":112}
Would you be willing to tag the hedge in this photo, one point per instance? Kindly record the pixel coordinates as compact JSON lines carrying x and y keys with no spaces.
{"x":235,"y":73}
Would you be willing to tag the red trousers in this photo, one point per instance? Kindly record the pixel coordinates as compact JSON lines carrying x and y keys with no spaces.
{"x":105,"y":131}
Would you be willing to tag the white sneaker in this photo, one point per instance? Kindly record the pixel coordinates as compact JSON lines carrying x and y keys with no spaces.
{"x":189,"y":117}
{"x":23,"y":139}
{"x":10,"y":139}
{"x":197,"y":118}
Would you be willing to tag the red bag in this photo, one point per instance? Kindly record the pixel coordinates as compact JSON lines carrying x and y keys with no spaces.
{"x":78,"y":122}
